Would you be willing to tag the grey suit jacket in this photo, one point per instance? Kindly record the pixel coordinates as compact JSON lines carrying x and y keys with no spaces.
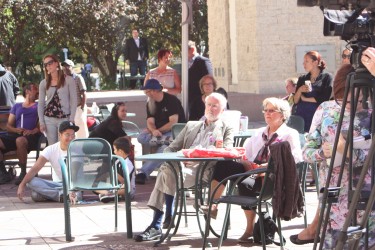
{"x":186,"y":137}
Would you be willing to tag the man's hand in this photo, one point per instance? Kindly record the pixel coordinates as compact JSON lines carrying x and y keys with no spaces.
{"x":21,"y":191}
{"x":73,"y":198}
{"x":19,"y":131}
{"x":156,"y":133}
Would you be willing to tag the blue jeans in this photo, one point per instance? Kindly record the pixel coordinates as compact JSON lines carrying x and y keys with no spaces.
{"x":52,"y":128}
{"x":48,"y":189}
{"x":135,"y":67}
{"x":149,"y":166}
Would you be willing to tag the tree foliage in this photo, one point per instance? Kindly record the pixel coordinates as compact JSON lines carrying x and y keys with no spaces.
{"x":92,"y":29}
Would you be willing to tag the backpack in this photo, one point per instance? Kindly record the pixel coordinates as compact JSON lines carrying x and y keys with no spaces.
{"x":270,"y":228}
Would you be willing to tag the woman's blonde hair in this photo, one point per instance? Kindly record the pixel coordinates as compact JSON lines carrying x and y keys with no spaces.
{"x":203,"y":79}
{"x":281,"y":105}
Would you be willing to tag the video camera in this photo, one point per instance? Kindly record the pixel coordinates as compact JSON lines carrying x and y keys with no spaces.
{"x":353,"y":20}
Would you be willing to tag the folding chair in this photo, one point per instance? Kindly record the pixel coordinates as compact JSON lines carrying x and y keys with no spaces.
{"x":90,"y":165}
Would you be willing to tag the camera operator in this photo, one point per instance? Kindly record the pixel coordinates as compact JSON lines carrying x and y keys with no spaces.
{"x":368,"y":60}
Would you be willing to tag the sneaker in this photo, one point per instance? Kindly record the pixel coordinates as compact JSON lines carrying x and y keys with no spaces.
{"x":37,"y":197}
{"x":20,"y":178}
{"x":108,"y":197}
{"x":167,"y":221}
{"x":149,"y":234}
{"x":140,"y":178}
{"x":5,"y":177}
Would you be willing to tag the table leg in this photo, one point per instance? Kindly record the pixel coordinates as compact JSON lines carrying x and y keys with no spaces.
{"x":179,"y":193}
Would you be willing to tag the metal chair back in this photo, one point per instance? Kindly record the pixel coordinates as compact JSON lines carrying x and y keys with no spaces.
{"x":130,"y":128}
{"x":297,"y":122}
{"x":90,"y":165}
{"x":177,"y":128}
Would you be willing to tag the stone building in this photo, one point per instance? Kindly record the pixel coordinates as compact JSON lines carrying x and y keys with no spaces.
{"x":256,"y":44}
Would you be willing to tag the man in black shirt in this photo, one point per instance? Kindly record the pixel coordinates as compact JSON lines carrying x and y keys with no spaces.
{"x":163,"y":111}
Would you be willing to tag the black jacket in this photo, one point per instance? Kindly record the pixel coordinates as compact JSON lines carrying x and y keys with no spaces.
{"x":201,"y":66}
{"x":131,"y":50}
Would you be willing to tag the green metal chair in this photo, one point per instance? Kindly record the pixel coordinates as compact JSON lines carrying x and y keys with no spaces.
{"x":90,"y":165}
{"x":256,"y":203}
{"x":130,"y":128}
{"x":297,"y":122}
{"x":177,"y":128}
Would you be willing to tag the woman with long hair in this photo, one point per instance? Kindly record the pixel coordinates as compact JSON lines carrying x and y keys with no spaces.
{"x":111,"y":128}
{"x":313,"y":88}
{"x":57,"y":98}
{"x":167,"y":76}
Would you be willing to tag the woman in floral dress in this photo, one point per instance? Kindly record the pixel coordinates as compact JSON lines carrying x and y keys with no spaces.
{"x":318,"y":148}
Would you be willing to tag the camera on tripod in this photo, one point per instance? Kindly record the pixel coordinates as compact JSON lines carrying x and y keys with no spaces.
{"x":352,"y":20}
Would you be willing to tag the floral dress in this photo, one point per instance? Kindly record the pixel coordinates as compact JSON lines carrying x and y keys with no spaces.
{"x":323,"y":129}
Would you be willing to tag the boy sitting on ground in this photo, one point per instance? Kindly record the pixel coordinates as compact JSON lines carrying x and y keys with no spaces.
{"x":122,"y":148}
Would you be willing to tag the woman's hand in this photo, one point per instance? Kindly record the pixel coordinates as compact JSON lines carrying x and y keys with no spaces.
{"x":304,"y":89}
{"x":368,"y":59}
{"x":341,"y":145}
{"x":327,"y":149}
{"x":42,"y":128}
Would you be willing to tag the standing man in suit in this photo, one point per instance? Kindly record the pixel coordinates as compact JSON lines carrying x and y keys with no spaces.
{"x":136,"y":51}
{"x":199,"y":66}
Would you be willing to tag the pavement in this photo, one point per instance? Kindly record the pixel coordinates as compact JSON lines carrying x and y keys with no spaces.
{"x":30,"y":225}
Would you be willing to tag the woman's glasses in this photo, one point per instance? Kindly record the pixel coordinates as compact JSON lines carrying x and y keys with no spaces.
{"x":271,"y":111}
{"x":50,"y":62}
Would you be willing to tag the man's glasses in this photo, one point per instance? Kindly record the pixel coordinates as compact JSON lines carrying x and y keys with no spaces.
{"x":345,"y":56}
{"x":49,"y":63}
{"x":271,"y":111}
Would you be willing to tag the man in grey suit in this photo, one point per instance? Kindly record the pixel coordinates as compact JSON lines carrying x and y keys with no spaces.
{"x":136,"y":51}
{"x":195,"y":133}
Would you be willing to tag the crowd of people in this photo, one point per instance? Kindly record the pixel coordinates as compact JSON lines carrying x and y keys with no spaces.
{"x":61,"y":115}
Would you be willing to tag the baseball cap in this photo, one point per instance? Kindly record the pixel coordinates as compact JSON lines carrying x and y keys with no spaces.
{"x":68,"y":62}
{"x":67,"y":125}
{"x":152,"y":84}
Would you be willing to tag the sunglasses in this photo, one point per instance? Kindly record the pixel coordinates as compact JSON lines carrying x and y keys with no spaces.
{"x":343,"y":56}
{"x":271,"y":111}
{"x":49,"y":63}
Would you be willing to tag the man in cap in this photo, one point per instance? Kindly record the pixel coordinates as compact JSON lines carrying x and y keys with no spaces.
{"x":80,"y":118}
{"x":163,"y":111}
{"x":42,"y":189}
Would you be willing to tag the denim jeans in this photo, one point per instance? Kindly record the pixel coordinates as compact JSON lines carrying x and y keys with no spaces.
{"x":52,"y":128}
{"x":48,"y":189}
{"x":149,"y":166}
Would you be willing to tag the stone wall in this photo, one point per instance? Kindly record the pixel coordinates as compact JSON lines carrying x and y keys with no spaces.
{"x":253,"y":43}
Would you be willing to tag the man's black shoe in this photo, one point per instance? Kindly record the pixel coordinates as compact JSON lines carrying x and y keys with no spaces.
{"x":140,"y":178}
{"x":149,"y":234}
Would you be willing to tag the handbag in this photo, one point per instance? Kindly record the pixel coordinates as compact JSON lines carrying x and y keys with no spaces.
{"x":270,"y":228}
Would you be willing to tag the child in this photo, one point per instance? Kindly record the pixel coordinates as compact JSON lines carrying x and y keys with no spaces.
{"x":122,"y":147}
